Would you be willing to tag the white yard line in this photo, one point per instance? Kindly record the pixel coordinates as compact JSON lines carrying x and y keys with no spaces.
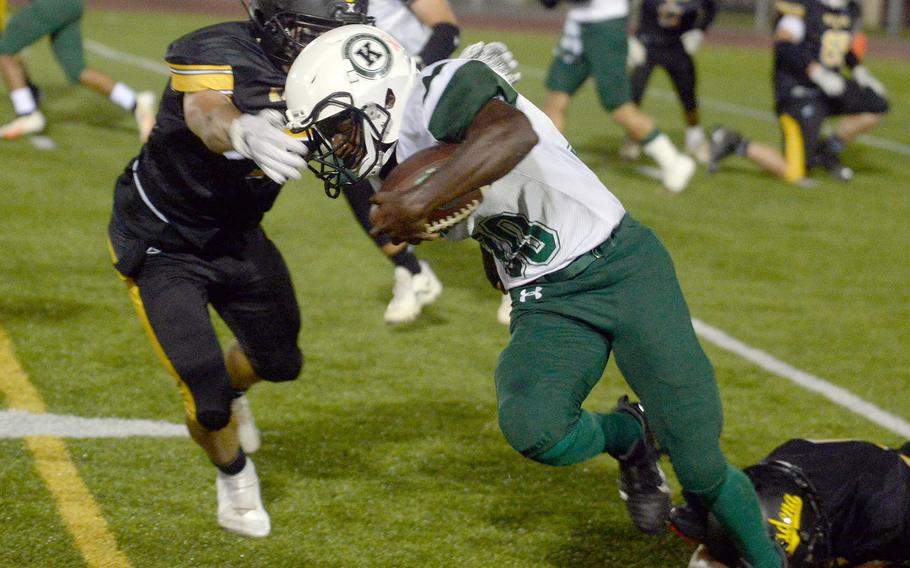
{"x":20,"y":423}
{"x":838,"y":395}
{"x":832,"y":392}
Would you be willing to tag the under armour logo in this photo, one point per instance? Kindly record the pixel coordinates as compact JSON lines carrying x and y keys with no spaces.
{"x":536,"y":293}
{"x":152,"y":250}
{"x":368,"y":54}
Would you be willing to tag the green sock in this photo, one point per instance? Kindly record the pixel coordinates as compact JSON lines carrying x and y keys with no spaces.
{"x":735,"y":505}
{"x":584,"y":442}
{"x":621,"y":430}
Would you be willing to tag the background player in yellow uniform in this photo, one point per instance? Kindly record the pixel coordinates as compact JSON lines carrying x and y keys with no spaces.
{"x":186,"y":234}
{"x":813,"y":47}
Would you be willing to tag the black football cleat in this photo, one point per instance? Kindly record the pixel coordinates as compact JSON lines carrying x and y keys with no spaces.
{"x":724,"y":143}
{"x":689,"y":523}
{"x":642,"y":484}
{"x":829,"y":157}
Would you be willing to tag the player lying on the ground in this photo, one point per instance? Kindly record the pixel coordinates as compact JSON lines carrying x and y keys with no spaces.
{"x":828,"y":503}
{"x":814,"y":45}
{"x":584,"y":276}
{"x":668,"y":35}
{"x":59,"y":19}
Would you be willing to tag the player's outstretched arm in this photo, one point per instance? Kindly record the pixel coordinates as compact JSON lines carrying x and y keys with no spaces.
{"x":209,"y":115}
{"x":499,"y":137}
{"x":260,"y":137}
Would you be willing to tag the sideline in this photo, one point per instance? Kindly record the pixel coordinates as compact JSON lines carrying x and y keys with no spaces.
{"x":832,"y":392}
{"x":77,"y":507}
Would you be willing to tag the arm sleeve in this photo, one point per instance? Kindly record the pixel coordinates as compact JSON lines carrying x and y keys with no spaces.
{"x":706,"y":15}
{"x":792,"y":57}
{"x":452,"y":106}
{"x":196,"y":67}
{"x":441,"y":43}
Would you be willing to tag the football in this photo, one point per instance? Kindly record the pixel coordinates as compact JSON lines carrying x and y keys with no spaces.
{"x":417,"y":169}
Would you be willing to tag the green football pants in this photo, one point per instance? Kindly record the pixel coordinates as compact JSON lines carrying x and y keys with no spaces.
{"x":60,"y":20}
{"x":626,"y":300}
{"x":604,"y":49}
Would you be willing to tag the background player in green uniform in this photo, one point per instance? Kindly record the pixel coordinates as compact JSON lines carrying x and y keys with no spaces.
{"x":185,"y":230}
{"x":585,"y":278}
{"x":813,"y":45}
{"x":595,"y":44}
{"x":60,"y":20}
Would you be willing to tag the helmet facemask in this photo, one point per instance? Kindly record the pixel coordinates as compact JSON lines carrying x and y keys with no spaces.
{"x":346,"y":142}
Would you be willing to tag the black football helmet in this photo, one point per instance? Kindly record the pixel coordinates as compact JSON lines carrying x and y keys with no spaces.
{"x":287,"y":26}
{"x":792,"y":513}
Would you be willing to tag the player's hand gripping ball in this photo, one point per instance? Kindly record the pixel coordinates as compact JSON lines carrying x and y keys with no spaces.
{"x":416,"y":170}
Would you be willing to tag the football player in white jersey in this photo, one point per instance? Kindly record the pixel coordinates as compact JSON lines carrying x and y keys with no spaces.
{"x":428,"y":30}
{"x":585,"y":278}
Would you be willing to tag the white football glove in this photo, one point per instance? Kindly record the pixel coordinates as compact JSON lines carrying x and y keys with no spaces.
{"x":638,"y":54}
{"x":497,"y":56}
{"x":830,"y":82}
{"x":261,"y":138}
{"x":864,"y":78}
{"x":692,"y":40}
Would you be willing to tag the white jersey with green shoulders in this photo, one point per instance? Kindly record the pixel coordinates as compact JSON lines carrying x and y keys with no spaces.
{"x":543,"y":214}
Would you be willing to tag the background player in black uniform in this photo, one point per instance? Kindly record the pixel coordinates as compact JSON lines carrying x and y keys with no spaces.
{"x":836,"y":503}
{"x":668,"y":35}
{"x":813,"y":46}
{"x":185,"y":231}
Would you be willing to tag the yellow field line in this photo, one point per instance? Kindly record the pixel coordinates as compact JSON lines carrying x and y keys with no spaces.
{"x":52,"y":460}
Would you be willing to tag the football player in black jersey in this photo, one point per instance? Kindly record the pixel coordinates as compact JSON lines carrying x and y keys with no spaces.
{"x":814,"y":46}
{"x":827,"y":503}
{"x":185,"y":230}
{"x":668,"y":35}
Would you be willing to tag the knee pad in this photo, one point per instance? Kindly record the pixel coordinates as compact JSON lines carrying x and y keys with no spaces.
{"x":279,"y":366}
{"x":533,"y":426}
{"x":213,"y":420}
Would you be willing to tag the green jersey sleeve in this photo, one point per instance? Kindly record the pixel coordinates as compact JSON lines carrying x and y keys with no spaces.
{"x":469,"y":88}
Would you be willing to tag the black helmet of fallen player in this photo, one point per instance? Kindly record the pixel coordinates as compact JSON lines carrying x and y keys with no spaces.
{"x":792,"y":513}
{"x":287,"y":26}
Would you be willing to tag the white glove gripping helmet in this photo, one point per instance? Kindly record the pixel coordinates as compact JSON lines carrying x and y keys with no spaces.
{"x":348,"y":90}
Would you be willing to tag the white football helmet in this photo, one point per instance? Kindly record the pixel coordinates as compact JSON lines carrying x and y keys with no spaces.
{"x":347,"y":90}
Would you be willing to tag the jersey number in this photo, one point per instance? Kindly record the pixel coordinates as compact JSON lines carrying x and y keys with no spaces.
{"x":516,"y":242}
{"x":835,"y":45}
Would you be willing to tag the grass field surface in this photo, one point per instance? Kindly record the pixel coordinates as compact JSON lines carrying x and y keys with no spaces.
{"x":386,"y":451}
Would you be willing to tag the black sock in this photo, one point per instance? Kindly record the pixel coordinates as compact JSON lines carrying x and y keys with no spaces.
{"x":836,"y":144}
{"x":407,"y":259}
{"x":742,"y":146}
{"x":236,"y":466}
